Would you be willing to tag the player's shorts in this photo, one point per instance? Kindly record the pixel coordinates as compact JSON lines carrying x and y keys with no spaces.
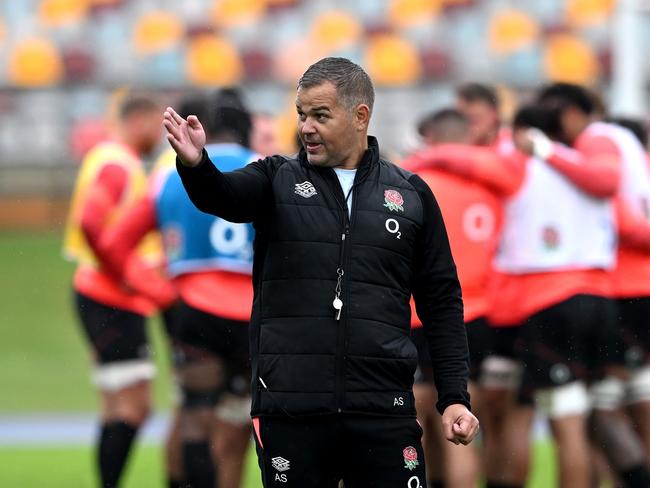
{"x":201,"y":336}
{"x":502,"y":367}
{"x":478,"y":341}
{"x":119,"y":342}
{"x":574,"y":340}
{"x":170,"y":324}
{"x":318,"y":451}
{"x":634,"y":322}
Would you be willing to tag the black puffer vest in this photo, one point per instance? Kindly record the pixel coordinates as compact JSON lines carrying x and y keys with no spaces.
{"x":305,"y":361}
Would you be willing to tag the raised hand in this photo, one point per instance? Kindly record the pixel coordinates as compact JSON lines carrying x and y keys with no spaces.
{"x":187,"y":137}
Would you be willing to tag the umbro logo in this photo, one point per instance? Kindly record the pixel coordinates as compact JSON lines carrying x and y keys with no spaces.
{"x":305,"y":189}
{"x":280,"y":464}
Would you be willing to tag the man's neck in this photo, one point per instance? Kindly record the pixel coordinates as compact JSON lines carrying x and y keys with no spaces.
{"x":354,"y":161}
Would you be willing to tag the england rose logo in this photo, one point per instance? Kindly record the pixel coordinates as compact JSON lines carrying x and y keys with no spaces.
{"x":410,"y":458}
{"x":551,"y":237}
{"x":393,"y":200}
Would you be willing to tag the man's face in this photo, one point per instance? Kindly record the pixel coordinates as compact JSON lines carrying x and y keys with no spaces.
{"x":143,"y":127}
{"x":328,"y":130}
{"x":483,"y":120}
{"x":264,"y":139}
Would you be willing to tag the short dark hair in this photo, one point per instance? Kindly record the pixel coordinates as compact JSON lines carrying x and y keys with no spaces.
{"x":353,"y":85}
{"x":478,"y":92}
{"x":136,"y":103}
{"x":636,"y":126}
{"x":561,"y":96}
{"x":229,"y":116}
{"x":533,"y":116}
{"x":447,"y":124}
{"x":194,"y":104}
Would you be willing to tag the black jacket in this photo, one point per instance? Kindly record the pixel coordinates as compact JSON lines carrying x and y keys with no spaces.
{"x":305,"y":361}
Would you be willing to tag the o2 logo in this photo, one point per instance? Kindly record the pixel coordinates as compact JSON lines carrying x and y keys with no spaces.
{"x":231,"y":239}
{"x":413,"y":482}
{"x":392,"y":226}
{"x":479,"y":222}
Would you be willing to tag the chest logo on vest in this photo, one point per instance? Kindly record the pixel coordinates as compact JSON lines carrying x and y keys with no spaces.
{"x":393,"y":201}
{"x":305,"y":189}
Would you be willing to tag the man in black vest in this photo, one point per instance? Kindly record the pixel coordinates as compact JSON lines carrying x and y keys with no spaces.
{"x":343,"y":238}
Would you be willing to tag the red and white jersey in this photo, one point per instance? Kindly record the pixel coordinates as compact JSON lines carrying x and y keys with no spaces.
{"x":550,"y":225}
{"x":631,"y":277}
{"x":559,"y":232}
{"x":472,"y":216}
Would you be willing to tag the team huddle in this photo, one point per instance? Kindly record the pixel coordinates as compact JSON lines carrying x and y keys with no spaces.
{"x":548,"y":222}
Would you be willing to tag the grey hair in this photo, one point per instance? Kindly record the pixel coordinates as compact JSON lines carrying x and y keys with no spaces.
{"x":353,"y":85}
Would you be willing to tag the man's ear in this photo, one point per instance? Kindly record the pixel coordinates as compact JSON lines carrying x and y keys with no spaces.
{"x":362,"y":116}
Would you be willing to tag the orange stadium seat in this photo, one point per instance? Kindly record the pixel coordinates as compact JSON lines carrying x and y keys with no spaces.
{"x":35,"y":62}
{"x":293,"y":58}
{"x":436,"y":63}
{"x":335,"y":30}
{"x":392,"y":60}
{"x":585,"y":13}
{"x":212,"y":60}
{"x":79,"y":64}
{"x":512,"y":30}
{"x":62,"y":12}
{"x":233,"y":13}
{"x":570,"y":59}
{"x":257,"y":64}
{"x":157,"y":31}
{"x":101,"y":5}
{"x":409,"y":13}
{"x":456,"y":4}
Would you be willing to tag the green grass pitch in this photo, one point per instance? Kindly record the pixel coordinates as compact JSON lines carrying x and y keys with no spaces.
{"x":44,"y":368}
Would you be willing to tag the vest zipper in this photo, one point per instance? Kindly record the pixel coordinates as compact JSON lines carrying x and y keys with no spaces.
{"x":342,"y":321}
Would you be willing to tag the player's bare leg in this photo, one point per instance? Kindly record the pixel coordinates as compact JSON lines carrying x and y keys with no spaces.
{"x":432,"y":439}
{"x":612,"y":431}
{"x":638,"y":401}
{"x":230,"y":445}
{"x":640,"y":415}
{"x":574,"y":467}
{"x":174,"y":452}
{"x":201,"y":383}
{"x":506,"y":427}
{"x":123,"y":411}
{"x":462,"y":463}
{"x":130,"y":404}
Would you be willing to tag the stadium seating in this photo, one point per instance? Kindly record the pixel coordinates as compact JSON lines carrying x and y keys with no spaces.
{"x":98,"y":45}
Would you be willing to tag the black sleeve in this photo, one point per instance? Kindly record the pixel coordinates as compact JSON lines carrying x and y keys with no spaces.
{"x":439,"y":304}
{"x":238,"y":196}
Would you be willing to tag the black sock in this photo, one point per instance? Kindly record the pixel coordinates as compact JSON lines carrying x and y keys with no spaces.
{"x":436,"y":483}
{"x":199,"y":468}
{"x":115,"y":443}
{"x":636,"y":477}
{"x":496,"y":484}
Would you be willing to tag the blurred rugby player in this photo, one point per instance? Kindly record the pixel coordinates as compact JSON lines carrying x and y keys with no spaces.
{"x":557,"y":244}
{"x":470,"y":183}
{"x":112,"y":314}
{"x":507,"y":454}
{"x":210,"y":262}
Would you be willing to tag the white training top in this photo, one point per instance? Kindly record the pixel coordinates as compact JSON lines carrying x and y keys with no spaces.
{"x":346,"y":179}
{"x":551,"y":225}
{"x":635,"y":181}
